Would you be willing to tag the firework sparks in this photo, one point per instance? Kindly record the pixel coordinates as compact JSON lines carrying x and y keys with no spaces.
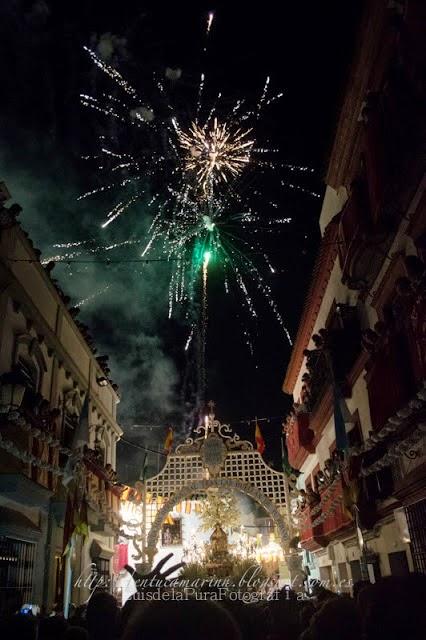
{"x":195,"y":164}
{"x":214,"y":154}
{"x":111,"y":72}
{"x":84,"y":301}
{"x":209,"y":21}
{"x":204,"y":232}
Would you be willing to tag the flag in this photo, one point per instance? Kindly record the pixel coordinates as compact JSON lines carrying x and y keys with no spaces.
{"x":169,"y":441}
{"x":340,"y":419}
{"x":121,"y":556}
{"x":340,"y":409}
{"x":188,"y":506}
{"x":142,"y":475}
{"x":178,"y":507}
{"x":260,"y":443}
{"x":68,"y":522}
{"x":76,"y":522}
{"x":82,"y":525}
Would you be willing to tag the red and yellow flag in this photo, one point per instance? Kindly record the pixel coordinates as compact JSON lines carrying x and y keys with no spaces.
{"x":260,"y":443}
{"x":169,"y":441}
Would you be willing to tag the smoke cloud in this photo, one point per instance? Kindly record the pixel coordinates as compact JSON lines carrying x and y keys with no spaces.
{"x":125,"y":304}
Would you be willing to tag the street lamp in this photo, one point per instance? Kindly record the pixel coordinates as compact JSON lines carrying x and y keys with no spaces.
{"x":12,"y":388}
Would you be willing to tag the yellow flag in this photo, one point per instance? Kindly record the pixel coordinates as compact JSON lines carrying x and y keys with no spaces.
{"x":169,"y":441}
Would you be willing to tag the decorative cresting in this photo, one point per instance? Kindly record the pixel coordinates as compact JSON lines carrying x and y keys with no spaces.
{"x":216,"y":459}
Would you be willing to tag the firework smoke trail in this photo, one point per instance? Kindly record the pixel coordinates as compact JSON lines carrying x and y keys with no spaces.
{"x":204,"y":317}
{"x":210,"y":18}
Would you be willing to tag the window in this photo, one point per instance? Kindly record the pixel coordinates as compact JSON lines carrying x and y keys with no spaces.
{"x":16,"y":567}
{"x":356,"y":571}
{"x":398,"y":563}
{"x":102,"y":572}
{"x":416,"y":518}
{"x":326,"y":577}
{"x":344,"y":584}
{"x":69,"y":426}
{"x":31,"y":375}
{"x":29,"y":360}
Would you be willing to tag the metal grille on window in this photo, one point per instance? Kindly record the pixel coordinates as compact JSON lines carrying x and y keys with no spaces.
{"x":416,"y":518}
{"x":103,"y":576}
{"x":16,"y":567}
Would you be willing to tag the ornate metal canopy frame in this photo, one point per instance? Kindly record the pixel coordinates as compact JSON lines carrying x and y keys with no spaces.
{"x":218,"y":458}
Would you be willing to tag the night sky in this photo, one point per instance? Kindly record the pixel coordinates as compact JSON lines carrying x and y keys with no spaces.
{"x":305,"y":47}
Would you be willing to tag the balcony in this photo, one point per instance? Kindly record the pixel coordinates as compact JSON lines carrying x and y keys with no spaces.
{"x":299,"y":439}
{"x":312,"y":536}
{"x":29,"y":440}
{"x":336,"y":519}
{"x":103,"y":495}
{"x":361,"y":242}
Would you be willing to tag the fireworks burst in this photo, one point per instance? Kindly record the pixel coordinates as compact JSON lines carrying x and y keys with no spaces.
{"x":214,"y":154}
{"x":189,"y":172}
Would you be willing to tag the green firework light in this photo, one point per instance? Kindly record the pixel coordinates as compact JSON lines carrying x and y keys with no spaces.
{"x":199,"y":234}
{"x":208,"y":244}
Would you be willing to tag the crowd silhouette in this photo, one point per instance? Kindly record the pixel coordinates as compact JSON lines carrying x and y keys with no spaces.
{"x":390,"y":609}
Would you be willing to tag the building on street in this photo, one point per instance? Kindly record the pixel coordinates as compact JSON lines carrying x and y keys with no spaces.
{"x":55,"y":395}
{"x":357,"y":371}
